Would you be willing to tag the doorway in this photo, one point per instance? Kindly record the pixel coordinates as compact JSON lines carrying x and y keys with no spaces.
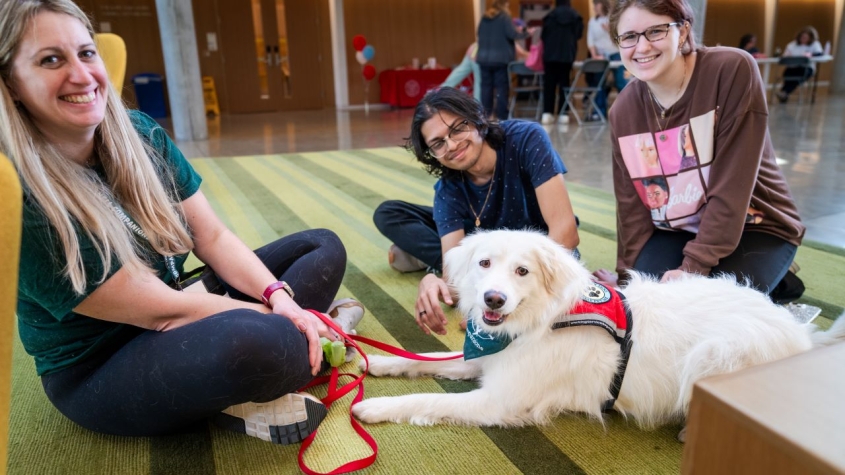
{"x":271,"y":55}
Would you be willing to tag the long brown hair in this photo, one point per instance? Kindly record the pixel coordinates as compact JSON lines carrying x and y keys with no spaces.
{"x":679,"y":10}
{"x":814,"y":35}
{"x":72,"y":197}
{"x":497,"y":7}
{"x":605,"y":5}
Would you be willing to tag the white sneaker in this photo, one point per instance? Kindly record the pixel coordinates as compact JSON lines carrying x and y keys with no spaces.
{"x":347,"y":313}
{"x":287,"y":420}
{"x":802,"y":312}
{"x":563,"y":119}
{"x":402,"y":261}
{"x":547,"y":119}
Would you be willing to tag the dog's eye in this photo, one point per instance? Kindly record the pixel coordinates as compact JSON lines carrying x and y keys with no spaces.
{"x":521,"y":271}
{"x":485,"y":263}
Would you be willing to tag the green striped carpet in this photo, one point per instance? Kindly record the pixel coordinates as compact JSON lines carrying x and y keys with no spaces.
{"x":261,"y":198}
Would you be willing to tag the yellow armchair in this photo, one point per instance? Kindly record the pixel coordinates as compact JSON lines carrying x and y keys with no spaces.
{"x":10,"y":248}
{"x":113,"y":51}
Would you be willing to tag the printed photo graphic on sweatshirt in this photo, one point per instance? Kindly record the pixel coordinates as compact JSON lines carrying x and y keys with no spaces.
{"x":670,"y":171}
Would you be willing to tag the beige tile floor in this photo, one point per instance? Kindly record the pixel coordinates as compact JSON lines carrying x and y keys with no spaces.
{"x":809,"y":140}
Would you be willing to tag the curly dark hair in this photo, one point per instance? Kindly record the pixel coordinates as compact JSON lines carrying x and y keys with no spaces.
{"x":459,"y":103}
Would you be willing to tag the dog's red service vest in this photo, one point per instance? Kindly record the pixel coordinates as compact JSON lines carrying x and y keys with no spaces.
{"x":600,"y":306}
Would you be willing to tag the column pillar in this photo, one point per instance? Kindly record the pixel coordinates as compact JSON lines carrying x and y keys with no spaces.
{"x":837,"y":79}
{"x":181,"y":64}
{"x":338,"y":30}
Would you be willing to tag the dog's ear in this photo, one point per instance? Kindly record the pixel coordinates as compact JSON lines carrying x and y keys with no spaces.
{"x":456,"y":262}
{"x":556,"y":265}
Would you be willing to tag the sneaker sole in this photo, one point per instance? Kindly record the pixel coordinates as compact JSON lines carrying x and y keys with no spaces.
{"x":280,"y":422}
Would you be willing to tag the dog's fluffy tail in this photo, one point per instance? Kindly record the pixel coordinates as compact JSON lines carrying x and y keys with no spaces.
{"x":835,"y":334}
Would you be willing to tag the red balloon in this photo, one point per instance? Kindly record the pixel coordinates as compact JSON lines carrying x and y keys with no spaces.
{"x":369,"y":72}
{"x":358,"y":42}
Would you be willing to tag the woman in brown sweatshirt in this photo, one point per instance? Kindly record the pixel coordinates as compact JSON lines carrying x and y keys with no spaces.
{"x":718,"y":205}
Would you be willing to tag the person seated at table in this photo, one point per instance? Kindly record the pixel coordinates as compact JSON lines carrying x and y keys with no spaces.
{"x":748,"y":42}
{"x":492,"y":175}
{"x":468,"y":66}
{"x":520,"y":53}
{"x":805,"y":44}
{"x":602,"y":46}
{"x":111,"y":210}
{"x":705,"y":109}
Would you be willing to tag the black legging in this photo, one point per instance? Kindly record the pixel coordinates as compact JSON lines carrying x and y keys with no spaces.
{"x":555,"y":81}
{"x":796,"y":76}
{"x":151,"y":383}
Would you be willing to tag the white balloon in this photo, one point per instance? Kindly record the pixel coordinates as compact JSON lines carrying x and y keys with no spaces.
{"x":360,"y":57}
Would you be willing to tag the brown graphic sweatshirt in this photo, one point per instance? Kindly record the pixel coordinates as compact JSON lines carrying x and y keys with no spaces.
{"x":709,"y":170}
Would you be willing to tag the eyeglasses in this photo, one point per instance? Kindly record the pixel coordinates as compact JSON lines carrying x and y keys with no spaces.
{"x":654,"y":33}
{"x":654,"y":194}
{"x":457,"y":134}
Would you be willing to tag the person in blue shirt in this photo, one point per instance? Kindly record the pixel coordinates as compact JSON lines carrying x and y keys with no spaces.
{"x":492,"y":175}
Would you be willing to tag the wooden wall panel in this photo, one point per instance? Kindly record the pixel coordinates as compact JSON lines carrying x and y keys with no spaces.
{"x":400,"y":30}
{"x":207,"y":20}
{"x":136,"y":22}
{"x":728,"y":20}
{"x":327,"y":69}
{"x":583,"y":7}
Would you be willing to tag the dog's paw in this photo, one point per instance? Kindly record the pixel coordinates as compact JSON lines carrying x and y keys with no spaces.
{"x":369,"y":411}
{"x":381,"y":365}
{"x":682,"y":435}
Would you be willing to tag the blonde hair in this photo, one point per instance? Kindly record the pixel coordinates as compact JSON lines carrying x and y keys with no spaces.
{"x":498,"y":6}
{"x":56,"y":183}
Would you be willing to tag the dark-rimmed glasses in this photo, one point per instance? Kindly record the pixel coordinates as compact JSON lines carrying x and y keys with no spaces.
{"x":654,"y":33}
{"x":457,"y":134}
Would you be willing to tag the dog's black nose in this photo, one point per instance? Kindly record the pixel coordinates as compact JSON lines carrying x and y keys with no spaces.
{"x":494,"y":299}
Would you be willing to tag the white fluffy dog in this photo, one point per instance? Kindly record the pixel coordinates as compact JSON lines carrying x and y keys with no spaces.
{"x":517,"y":283}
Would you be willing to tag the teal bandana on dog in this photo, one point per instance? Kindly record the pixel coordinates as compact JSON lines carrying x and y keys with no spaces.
{"x":478,"y":342}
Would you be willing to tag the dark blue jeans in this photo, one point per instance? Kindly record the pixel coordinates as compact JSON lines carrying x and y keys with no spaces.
{"x":494,"y":76}
{"x":761,"y":258}
{"x":147,"y":383}
{"x":412,"y":228}
{"x":795,"y":74}
{"x":618,"y":80}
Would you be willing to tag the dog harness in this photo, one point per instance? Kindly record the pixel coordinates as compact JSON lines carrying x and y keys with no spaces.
{"x":605,"y":308}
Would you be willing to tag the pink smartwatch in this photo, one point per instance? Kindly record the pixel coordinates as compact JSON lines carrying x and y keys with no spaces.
{"x":265,"y":297}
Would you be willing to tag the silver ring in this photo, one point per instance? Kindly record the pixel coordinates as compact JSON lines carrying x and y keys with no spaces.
{"x":422,"y":312}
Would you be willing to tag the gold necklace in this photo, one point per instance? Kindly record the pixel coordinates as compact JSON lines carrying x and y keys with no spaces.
{"x":663,"y":111}
{"x":481,"y":211}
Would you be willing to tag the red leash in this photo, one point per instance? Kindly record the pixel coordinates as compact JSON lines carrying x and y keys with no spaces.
{"x":335,"y":393}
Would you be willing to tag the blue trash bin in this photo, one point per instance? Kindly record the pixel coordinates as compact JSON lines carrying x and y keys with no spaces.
{"x":149,"y":93}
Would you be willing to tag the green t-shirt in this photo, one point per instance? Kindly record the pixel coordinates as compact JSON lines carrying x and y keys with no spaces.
{"x":49,"y":329}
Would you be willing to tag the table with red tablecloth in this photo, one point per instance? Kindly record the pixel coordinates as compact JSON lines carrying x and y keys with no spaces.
{"x":405,"y":87}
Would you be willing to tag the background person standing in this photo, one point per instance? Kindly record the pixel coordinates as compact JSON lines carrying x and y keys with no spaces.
{"x":496,"y":36}
{"x":562,"y":28}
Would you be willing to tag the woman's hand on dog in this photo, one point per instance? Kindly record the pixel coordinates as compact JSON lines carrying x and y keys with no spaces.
{"x":607,"y":277}
{"x":671,"y":275}
{"x":429,"y":316}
